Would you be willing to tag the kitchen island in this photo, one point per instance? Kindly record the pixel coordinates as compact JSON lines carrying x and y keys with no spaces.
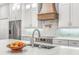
{"x":28,"y":50}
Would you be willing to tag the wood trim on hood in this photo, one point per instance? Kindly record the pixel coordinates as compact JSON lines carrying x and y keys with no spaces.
{"x":48,"y":12}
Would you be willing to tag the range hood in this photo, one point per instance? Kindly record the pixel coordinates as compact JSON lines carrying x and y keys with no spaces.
{"x":47,"y":11}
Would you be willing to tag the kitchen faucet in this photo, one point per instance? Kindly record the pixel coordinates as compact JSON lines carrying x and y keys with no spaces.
{"x":36,"y":30}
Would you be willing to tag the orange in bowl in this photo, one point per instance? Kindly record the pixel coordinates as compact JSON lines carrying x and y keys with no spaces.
{"x":17,"y":45}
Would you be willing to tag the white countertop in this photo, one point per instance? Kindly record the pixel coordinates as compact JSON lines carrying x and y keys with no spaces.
{"x":67,"y":38}
{"x":28,"y":50}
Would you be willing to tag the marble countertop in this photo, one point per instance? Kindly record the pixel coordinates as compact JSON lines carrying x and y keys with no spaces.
{"x":28,"y":50}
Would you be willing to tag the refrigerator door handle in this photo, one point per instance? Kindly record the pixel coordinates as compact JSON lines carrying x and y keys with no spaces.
{"x":12,"y":28}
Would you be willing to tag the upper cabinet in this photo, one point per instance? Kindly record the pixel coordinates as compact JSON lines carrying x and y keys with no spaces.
{"x":27,"y":12}
{"x":4,"y":11}
{"x":64,"y":15}
{"x":34,"y":11}
{"x":47,"y":11}
{"x":15,"y":11}
{"x":69,"y":15}
{"x":26,"y":15}
{"x":75,"y":14}
{"x":29,"y":15}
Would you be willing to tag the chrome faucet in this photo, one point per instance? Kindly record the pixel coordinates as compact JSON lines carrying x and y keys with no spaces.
{"x":36,"y":30}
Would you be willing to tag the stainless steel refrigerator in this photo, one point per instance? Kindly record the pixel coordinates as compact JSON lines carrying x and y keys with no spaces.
{"x":15,"y":29}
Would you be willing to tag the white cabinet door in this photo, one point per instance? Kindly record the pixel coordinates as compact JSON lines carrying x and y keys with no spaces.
{"x":34,"y":11}
{"x":64,"y":15}
{"x":60,"y":42}
{"x":74,"y":43}
{"x":4,"y":29}
{"x":26,"y":16}
{"x":75,"y":14}
{"x":15,"y":11}
{"x":4,"y":11}
{"x":29,"y":16}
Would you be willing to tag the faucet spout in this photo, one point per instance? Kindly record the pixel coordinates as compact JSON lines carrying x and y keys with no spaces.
{"x":36,"y":30}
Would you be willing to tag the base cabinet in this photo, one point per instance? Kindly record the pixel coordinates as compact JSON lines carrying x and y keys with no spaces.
{"x":64,"y":42}
{"x":60,"y":42}
{"x":73,"y":43}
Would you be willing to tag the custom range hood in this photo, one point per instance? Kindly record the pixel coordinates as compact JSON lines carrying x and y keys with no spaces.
{"x":47,"y":11}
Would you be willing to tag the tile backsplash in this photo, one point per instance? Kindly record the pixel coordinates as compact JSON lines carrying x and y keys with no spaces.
{"x":68,"y":32}
{"x":49,"y":27}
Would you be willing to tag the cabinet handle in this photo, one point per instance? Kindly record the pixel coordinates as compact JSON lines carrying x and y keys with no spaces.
{"x":74,"y":43}
{"x":70,"y":24}
{"x":59,"y":41}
